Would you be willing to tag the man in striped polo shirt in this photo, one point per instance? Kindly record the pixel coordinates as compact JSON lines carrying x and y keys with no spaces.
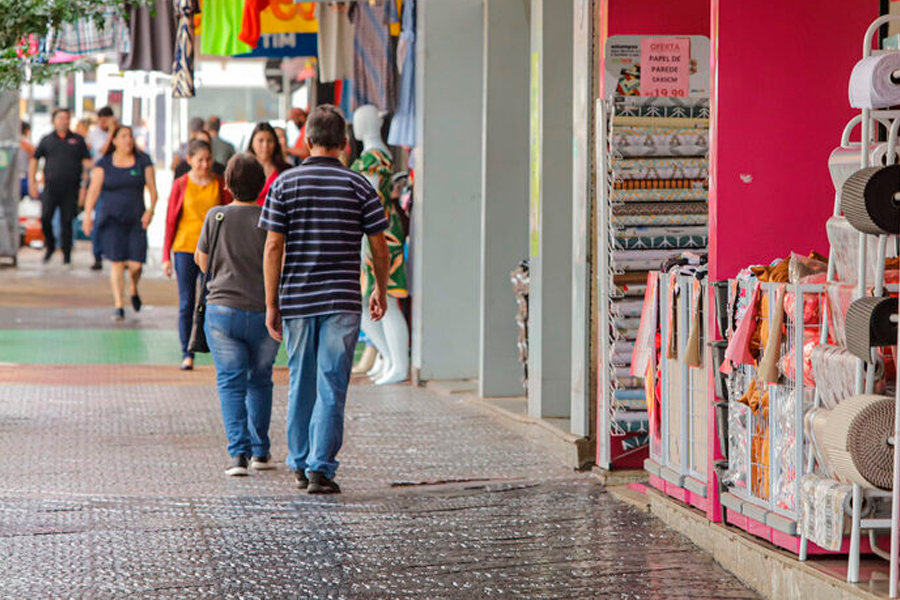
{"x":316,"y":216}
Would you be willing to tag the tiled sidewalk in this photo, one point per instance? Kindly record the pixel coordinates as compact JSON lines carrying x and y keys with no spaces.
{"x":113,"y":487}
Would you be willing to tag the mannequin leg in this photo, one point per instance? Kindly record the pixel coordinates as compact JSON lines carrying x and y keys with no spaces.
{"x":366,"y":361}
{"x":375,"y":332}
{"x":396,"y":332}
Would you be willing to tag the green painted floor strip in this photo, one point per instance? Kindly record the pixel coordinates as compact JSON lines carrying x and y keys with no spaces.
{"x":99,"y":347}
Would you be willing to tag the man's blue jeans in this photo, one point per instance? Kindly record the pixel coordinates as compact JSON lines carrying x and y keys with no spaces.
{"x":243,"y":353}
{"x":320,"y":355}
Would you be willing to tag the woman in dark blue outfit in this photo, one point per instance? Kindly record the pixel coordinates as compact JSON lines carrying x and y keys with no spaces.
{"x":120,"y":178}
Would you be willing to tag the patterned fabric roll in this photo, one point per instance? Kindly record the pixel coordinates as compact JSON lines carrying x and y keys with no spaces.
{"x":183,"y":64}
{"x":656,"y":184}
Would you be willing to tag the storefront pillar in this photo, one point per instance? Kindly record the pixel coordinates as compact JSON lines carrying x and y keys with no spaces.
{"x":504,"y":227}
{"x":446,"y":258}
{"x":550,"y":236}
{"x":582,"y":219}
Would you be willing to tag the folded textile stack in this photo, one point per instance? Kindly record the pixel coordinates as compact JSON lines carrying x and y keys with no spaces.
{"x":657,"y":207}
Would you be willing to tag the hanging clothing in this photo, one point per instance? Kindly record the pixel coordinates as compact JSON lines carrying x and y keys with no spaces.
{"x":377,"y":165}
{"x":403,"y":125}
{"x":84,"y":37}
{"x":221,"y":24}
{"x":251,"y":22}
{"x":183,"y":64}
{"x":152,"y":38}
{"x":374,"y":79}
{"x":335,"y":41}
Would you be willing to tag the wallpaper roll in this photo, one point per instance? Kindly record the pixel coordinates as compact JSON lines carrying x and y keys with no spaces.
{"x":867,"y":200}
{"x":869,"y":325}
{"x":873,"y":84}
{"x":844,"y":162}
{"x":855,"y":441}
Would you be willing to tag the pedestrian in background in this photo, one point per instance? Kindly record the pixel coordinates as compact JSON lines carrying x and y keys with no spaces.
{"x":193,"y":195}
{"x":316,"y":216}
{"x":222,"y":150}
{"x":242,"y":349}
{"x":97,"y":138}
{"x":264,"y":145}
{"x":66,"y":161}
{"x":25,"y":152}
{"x":217,"y":168}
{"x":118,"y":181}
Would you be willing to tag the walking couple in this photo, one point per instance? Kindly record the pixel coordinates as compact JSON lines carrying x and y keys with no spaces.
{"x":290,"y":270}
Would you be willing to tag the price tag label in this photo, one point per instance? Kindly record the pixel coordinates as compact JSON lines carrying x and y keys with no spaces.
{"x":666,"y":67}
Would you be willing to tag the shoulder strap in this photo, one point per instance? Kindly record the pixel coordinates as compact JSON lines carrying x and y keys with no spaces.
{"x":214,"y":241}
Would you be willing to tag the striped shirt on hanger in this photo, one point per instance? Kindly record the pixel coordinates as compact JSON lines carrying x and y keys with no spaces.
{"x":323,"y":209}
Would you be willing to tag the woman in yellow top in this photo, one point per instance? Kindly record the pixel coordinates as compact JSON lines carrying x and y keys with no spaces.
{"x":193,"y":195}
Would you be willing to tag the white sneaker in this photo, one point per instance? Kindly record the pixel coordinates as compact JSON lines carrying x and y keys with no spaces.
{"x":262,"y":463}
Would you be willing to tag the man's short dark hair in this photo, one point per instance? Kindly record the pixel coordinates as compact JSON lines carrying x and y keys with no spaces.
{"x":59,"y":110}
{"x":245,"y":177}
{"x":195,"y":124}
{"x":326,"y":127}
{"x":106,"y":111}
{"x":214,"y":124}
{"x":195,"y":146}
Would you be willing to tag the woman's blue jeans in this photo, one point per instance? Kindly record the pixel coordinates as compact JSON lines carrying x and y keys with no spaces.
{"x":243,"y":353}
{"x":187,"y":272}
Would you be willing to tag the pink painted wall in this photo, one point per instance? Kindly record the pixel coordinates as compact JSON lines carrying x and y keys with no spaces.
{"x":658,"y":17}
{"x":782,"y":75}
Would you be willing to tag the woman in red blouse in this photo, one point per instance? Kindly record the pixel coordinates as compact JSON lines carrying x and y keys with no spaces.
{"x":264,"y":145}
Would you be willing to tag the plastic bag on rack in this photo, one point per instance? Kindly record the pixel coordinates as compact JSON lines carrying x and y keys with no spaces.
{"x":844,"y":241}
{"x":834,"y":370}
{"x":785,"y":444}
{"x":812,"y":303}
{"x":788,"y":363}
{"x":738,"y":452}
{"x":840,"y":297}
{"x":802,"y":267}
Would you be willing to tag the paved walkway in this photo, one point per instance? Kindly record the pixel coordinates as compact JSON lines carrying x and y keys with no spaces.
{"x":113,"y":483}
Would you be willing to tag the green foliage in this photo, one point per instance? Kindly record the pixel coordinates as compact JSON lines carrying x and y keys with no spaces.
{"x":19,"y":18}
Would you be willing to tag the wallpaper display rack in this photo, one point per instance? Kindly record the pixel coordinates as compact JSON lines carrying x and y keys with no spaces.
{"x":653,"y":204}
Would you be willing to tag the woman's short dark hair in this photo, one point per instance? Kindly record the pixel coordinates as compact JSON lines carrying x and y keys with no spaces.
{"x":195,"y":146}
{"x":26,"y":127}
{"x":326,"y":127}
{"x":245,"y":177}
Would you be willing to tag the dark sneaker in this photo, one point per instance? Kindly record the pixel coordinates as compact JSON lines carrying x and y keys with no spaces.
{"x":136,"y":303}
{"x":319,"y":484}
{"x":302,"y":481}
{"x":97,"y":266}
{"x":262,"y":463}
{"x":119,"y":314}
{"x":238,"y":466}
{"x":48,"y":254}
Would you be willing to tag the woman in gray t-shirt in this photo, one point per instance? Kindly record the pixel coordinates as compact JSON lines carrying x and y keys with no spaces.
{"x":242,"y":350}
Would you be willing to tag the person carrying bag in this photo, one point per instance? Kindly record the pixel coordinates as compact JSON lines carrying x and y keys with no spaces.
{"x":230,"y":254}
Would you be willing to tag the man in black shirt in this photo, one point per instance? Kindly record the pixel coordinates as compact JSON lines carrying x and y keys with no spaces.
{"x":66,"y":162}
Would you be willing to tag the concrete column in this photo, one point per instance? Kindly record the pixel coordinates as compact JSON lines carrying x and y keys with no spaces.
{"x":446,"y":266}
{"x":582,"y":230}
{"x":504,"y":207}
{"x":550,"y":238}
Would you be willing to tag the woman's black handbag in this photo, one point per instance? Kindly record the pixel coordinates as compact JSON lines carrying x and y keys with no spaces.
{"x":198,"y":333}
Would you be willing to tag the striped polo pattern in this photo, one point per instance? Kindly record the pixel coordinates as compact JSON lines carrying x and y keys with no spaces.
{"x":323,"y":209}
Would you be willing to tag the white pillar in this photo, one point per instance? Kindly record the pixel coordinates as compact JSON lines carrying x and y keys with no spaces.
{"x":447,"y":213}
{"x":582,"y":230}
{"x":504,"y":210}
{"x":550,"y":243}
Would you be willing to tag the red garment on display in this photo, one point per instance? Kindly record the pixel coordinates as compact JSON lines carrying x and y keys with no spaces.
{"x":261,"y":199}
{"x":250,"y":27}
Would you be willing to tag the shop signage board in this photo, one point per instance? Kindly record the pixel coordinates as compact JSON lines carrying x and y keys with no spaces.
{"x":284,"y":45}
{"x":627,"y":65}
{"x":665,"y":67}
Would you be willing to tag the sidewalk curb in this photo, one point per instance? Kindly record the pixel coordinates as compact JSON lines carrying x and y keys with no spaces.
{"x":772,"y":573}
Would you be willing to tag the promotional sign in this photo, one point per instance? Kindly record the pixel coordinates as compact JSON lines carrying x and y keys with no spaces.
{"x":626,"y":64}
{"x":284,"y":45}
{"x":284,"y":16}
{"x":665,"y":67}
